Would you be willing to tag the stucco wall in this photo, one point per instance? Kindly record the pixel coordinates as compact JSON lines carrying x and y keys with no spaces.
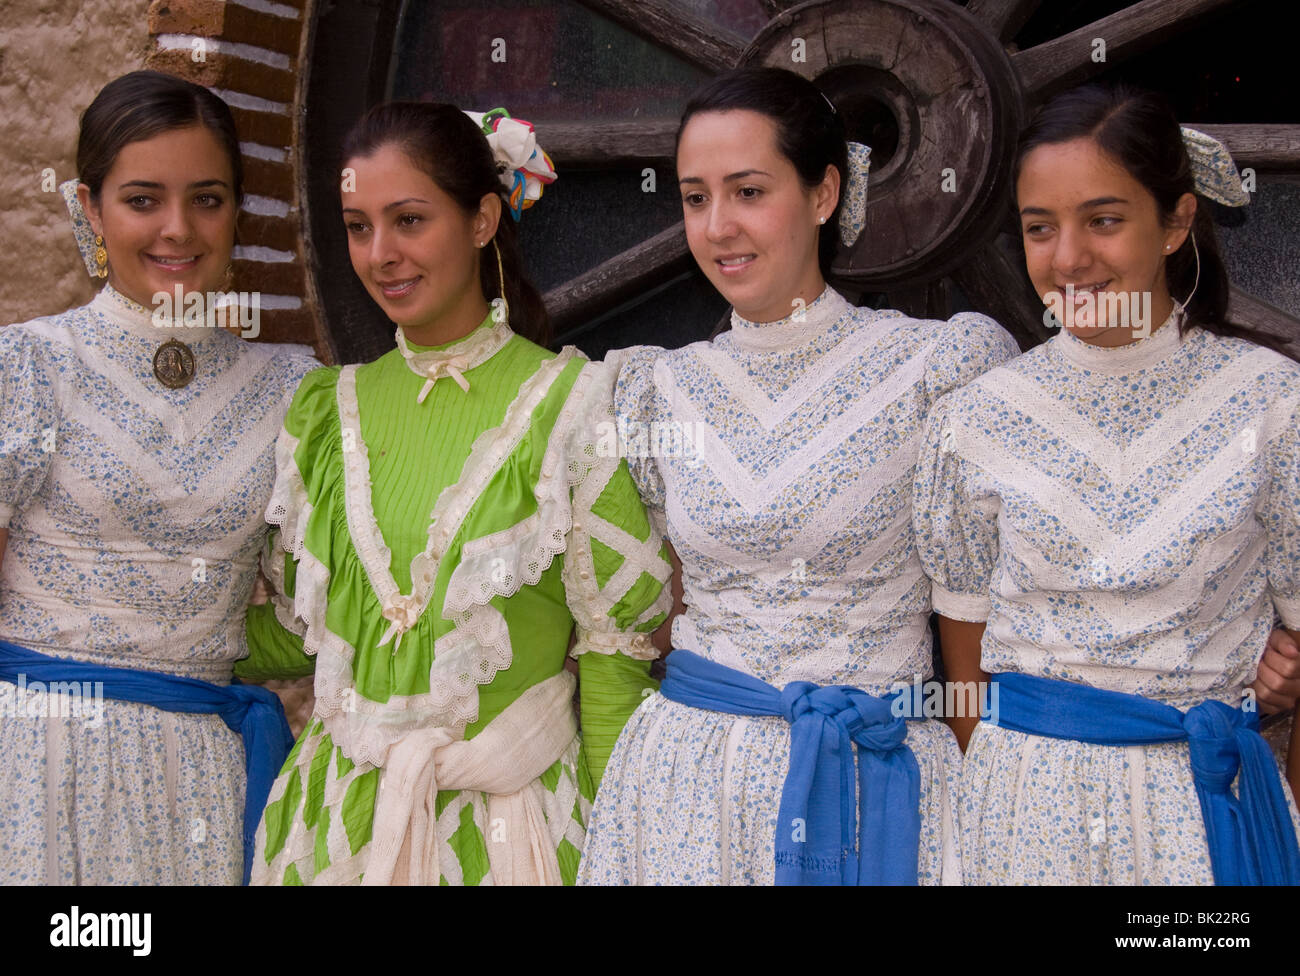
{"x":52,"y":62}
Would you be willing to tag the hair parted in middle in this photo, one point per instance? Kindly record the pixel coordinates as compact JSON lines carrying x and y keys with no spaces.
{"x":809,"y":132}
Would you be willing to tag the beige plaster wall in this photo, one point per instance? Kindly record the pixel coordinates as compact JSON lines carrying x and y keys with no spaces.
{"x":54,"y":56}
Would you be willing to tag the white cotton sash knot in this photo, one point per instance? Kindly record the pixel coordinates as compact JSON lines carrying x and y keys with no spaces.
{"x":504,"y":760}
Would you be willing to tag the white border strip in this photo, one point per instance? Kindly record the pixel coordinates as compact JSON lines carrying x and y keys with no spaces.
{"x":250,"y":103}
{"x":266,"y":7}
{"x":266,"y":206}
{"x":267,"y":255}
{"x":258,"y":151}
{"x":212,"y":45}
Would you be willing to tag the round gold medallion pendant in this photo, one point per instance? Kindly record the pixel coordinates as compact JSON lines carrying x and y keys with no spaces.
{"x":173,"y":364}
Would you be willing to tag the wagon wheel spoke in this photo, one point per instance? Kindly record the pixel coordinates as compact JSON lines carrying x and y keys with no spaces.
{"x":1053,"y":65}
{"x":574,"y":145}
{"x":637,"y":269}
{"x":1266,"y":147}
{"x":1246,"y":309}
{"x":667,"y":24}
{"x":1004,"y":17}
{"x":996,"y":285}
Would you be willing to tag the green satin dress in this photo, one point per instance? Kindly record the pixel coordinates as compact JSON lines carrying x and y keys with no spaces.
{"x":486,"y":519}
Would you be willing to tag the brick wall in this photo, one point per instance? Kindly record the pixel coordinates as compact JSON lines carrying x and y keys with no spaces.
{"x":249,"y":53}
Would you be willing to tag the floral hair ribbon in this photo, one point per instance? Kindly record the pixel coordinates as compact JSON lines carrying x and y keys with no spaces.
{"x":524,"y":166}
{"x":853,"y":206}
{"x":81,"y":229}
{"x":1213,"y":170}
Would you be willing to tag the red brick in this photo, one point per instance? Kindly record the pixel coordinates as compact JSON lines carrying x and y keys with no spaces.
{"x":268,"y":179}
{"x":266,"y":128}
{"x":281,"y":233}
{"x":275,"y":279}
{"x":203,"y":17}
{"x":226,"y":21}
{"x":263,"y":30}
{"x":293,"y":325}
{"x":224,"y":71}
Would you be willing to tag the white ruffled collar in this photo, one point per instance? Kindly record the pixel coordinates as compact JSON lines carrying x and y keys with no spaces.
{"x":1121,"y":360}
{"x":134,"y":318}
{"x":454,"y":358}
{"x":791,"y":332}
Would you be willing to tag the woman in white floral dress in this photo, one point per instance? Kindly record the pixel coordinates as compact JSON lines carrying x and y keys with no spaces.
{"x":1122,"y":506}
{"x":137,"y":455}
{"x":789,"y":504}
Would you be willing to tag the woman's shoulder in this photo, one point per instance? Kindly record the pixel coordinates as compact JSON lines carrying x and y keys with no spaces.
{"x":1237,"y":347}
{"x":631,"y":371}
{"x":315,"y":396}
{"x":42,"y":343}
{"x":292,"y":359}
{"x":43,"y":329}
{"x":958,"y":349}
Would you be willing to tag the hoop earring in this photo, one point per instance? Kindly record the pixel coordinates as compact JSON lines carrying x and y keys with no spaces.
{"x":1196,"y":278}
{"x":501,"y":279}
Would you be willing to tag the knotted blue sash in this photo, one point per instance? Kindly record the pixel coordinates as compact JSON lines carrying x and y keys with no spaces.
{"x":816,"y":841}
{"x":1251,"y":837}
{"x":255,"y":713}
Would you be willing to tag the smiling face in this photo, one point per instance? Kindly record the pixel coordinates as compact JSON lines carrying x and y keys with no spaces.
{"x":414,"y":248}
{"x":751,"y":224}
{"x":166,"y":211}
{"x":1089,"y":225}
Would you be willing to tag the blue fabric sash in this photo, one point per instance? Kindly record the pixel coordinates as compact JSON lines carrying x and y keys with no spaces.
{"x":821,"y":802}
{"x":1251,"y":837}
{"x":254,"y":712}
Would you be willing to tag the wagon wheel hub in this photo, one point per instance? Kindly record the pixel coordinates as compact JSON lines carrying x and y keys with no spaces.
{"x":931,"y":90}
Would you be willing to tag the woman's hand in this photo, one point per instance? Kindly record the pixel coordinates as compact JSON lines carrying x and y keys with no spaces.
{"x":662,"y":638}
{"x":1277,"y":685}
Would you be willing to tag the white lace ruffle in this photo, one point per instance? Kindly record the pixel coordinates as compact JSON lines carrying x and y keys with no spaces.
{"x":501,"y":563}
{"x":272,"y":563}
{"x":479,"y":646}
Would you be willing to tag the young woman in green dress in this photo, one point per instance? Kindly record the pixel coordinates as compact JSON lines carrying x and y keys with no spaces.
{"x":446,"y":514}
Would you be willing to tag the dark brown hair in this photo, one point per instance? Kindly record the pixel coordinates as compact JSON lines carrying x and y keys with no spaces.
{"x":444,"y":143}
{"x":141,"y":105}
{"x":809,"y":132}
{"x":1139,"y":130}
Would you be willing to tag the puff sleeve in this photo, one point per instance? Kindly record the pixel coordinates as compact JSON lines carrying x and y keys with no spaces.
{"x":956,"y":535}
{"x":29,"y":420}
{"x":275,"y":630}
{"x":1279,"y":512}
{"x":615,"y":573}
{"x":637,"y":406}
{"x":972,"y":345}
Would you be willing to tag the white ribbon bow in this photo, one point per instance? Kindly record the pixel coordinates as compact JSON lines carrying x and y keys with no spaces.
{"x":404,"y":612}
{"x":433,"y":365}
{"x":451,"y":367}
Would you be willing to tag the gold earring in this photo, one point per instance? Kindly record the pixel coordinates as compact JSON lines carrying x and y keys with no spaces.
{"x":501,"y":277}
{"x":101,"y":257}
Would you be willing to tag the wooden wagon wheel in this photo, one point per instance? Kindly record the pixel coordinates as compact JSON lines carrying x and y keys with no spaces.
{"x":940,"y":92}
